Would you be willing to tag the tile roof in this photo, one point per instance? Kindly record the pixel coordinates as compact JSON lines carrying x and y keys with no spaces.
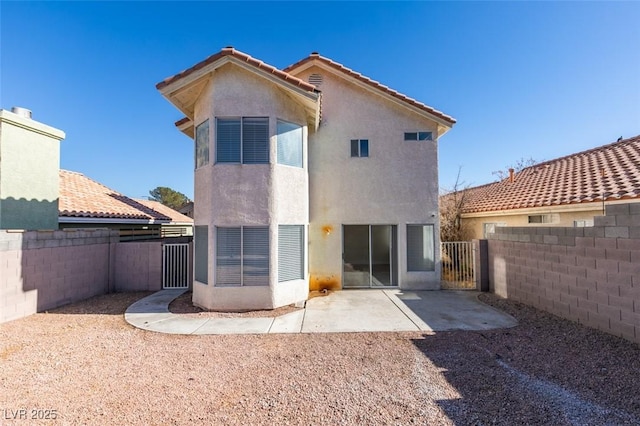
{"x":84,"y":197}
{"x":377,"y":85}
{"x":160,"y":208}
{"x":575,"y":178}
{"x":230,"y":51}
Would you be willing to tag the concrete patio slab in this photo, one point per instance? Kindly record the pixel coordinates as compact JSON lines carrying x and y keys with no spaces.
{"x":342,"y":311}
{"x":353,"y":311}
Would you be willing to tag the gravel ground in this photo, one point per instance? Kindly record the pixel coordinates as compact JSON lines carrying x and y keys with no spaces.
{"x":86,"y":365}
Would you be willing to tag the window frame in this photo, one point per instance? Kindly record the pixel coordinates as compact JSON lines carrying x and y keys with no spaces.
{"x":358,"y":144}
{"x":410,"y":266}
{"x":301,"y":260}
{"x":279,"y":144}
{"x":198,"y":143}
{"x":242,"y":142}
{"x":418,"y":136}
{"x":242,"y":257}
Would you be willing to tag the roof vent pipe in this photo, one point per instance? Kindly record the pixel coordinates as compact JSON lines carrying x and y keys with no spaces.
{"x":22,"y":112}
{"x":511,"y":175}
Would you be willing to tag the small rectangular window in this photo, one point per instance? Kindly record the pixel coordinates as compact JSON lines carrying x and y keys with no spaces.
{"x":543,"y":218}
{"x":420,"y":248}
{"x":418,"y":136}
{"x":202,"y":144}
{"x":228,"y":133}
{"x":289,"y":144}
{"x":359,"y":147}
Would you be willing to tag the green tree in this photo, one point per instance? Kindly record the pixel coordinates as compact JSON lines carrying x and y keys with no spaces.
{"x":169,"y":197}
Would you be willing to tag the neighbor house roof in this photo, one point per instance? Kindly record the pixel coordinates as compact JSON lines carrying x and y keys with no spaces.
{"x":315,"y":57}
{"x":176,"y":216}
{"x":82,"y":197}
{"x":611,"y":172}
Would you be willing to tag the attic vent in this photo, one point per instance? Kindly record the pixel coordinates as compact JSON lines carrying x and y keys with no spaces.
{"x":315,"y":79}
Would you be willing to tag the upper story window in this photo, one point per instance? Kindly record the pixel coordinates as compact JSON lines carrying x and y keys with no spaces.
{"x":418,"y":136}
{"x":289,"y":144}
{"x":242,"y":140}
{"x":359,"y":147}
{"x":202,"y":144}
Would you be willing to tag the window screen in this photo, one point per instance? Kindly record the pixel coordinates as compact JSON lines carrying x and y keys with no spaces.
{"x":289,"y":144}
{"x":228,"y":262}
{"x":290,"y":252}
{"x":255,"y":140}
{"x":201,"y":248}
{"x":255,"y":256}
{"x":202,"y":144}
{"x":420,"y":248}
{"x":228,"y":140}
{"x":242,"y":256}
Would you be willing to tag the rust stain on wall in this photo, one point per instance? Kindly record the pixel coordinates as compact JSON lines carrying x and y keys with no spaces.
{"x":324,"y":282}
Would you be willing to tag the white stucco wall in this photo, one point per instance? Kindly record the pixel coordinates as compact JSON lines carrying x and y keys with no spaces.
{"x":249,"y":195}
{"x":396,"y":185}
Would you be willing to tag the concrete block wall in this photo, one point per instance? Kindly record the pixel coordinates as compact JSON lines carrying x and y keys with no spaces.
{"x":138,"y":266}
{"x":589,"y":275}
{"x":41,"y":270}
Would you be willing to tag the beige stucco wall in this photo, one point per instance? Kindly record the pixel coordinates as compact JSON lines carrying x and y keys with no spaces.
{"x":564,"y":216}
{"x":29,"y":170}
{"x":249,"y":195}
{"x":396,"y":185}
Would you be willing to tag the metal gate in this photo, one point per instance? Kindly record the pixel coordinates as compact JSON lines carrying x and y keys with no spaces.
{"x":458,"y":265}
{"x":175,"y":266}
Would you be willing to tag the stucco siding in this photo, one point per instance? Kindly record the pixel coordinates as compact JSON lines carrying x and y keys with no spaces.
{"x":397,"y":184}
{"x":29,"y":167}
{"x":234,"y":195}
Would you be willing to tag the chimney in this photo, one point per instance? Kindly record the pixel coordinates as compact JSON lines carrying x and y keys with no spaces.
{"x":22,"y":112}
{"x":511,"y":175}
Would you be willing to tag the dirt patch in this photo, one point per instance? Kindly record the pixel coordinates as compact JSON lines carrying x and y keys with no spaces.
{"x":88,"y":364}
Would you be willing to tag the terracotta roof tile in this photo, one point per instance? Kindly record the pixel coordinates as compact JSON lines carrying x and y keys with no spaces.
{"x":404,"y":98}
{"x":160,"y":208}
{"x":84,"y":197}
{"x":230,"y":51}
{"x":612,"y":171}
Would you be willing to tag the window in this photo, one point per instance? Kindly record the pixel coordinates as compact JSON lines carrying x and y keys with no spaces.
{"x":420,"y":248}
{"x":289,"y":144}
{"x":242,"y":256}
{"x":201,"y":248}
{"x":202,"y":144}
{"x":583,"y":223}
{"x":359,"y":147}
{"x":418,"y":136}
{"x":543,"y":218}
{"x":242,"y":140}
{"x":290,"y":252}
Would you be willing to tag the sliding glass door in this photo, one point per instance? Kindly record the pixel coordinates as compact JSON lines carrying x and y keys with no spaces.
{"x":370,"y":256}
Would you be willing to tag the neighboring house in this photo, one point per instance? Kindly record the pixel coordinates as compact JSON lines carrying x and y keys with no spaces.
{"x":29,"y":163}
{"x":187,"y":209}
{"x":310,"y":177}
{"x":567,"y":191}
{"x":85,"y":203}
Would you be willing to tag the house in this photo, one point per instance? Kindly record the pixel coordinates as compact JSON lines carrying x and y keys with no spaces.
{"x":567,"y":191}
{"x":305,"y":178}
{"x":29,"y":163}
{"x":85,"y":203}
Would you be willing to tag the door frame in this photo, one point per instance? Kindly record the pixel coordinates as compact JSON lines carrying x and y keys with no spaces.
{"x":393,"y":256}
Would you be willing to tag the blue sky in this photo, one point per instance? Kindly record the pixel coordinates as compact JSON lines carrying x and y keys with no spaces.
{"x":523,"y":79}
